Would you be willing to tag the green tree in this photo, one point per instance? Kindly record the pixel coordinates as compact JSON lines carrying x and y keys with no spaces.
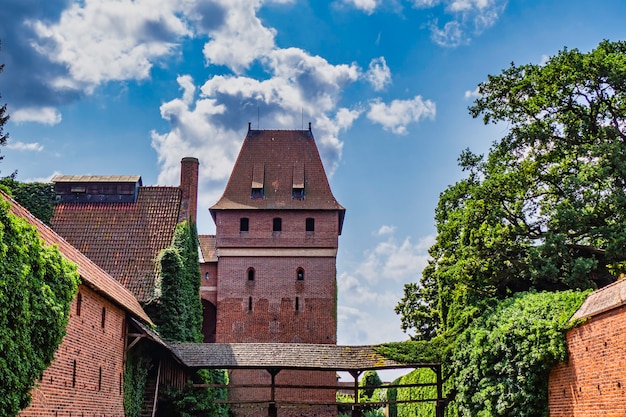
{"x":546,"y":208}
{"x":371,"y":380}
{"x":36,"y":197}
{"x":36,"y":287}
{"x":4,"y":118}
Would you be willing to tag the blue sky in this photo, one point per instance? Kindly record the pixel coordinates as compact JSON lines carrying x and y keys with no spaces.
{"x":122,"y":87}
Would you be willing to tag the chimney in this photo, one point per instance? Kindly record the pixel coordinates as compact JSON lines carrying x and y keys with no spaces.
{"x":189,"y":187}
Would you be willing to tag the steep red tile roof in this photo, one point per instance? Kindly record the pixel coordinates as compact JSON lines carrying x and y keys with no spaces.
{"x":207,"y":248}
{"x":278,"y":161}
{"x":90,"y":274}
{"x":124,"y":239}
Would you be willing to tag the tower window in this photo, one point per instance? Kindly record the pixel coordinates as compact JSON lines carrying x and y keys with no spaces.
{"x":207,"y":276}
{"x":250,"y":274}
{"x":277,"y":224}
{"x":300,"y":274}
{"x":310,"y":224}
{"x":244,"y":224}
{"x":100,"y":379}
{"x":74,"y":374}
{"x":297,"y":304}
{"x":249,"y":303}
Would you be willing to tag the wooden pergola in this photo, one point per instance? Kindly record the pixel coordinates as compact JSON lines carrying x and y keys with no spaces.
{"x":275,"y":357}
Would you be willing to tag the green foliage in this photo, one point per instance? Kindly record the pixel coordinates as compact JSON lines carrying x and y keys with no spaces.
{"x":179,"y":317}
{"x":135,"y":378}
{"x":37,"y":286}
{"x":371,"y":380}
{"x":36,"y":197}
{"x":546,"y":208}
{"x":502,"y":361}
{"x":420,"y":409}
{"x":196,"y":401}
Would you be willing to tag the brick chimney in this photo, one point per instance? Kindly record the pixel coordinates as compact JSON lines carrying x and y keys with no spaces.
{"x":189,"y":187}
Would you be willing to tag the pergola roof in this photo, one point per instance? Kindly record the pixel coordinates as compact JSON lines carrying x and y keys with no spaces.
{"x":319,"y":357}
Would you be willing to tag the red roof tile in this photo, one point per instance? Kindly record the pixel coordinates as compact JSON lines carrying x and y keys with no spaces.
{"x":91,"y":275}
{"x":124,"y":239}
{"x":207,"y":247}
{"x":278,"y":160}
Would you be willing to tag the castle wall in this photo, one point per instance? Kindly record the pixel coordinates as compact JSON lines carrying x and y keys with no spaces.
{"x":86,"y":376}
{"x":593,"y":381}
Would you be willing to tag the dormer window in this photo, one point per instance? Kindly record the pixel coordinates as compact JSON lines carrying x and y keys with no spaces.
{"x":258,"y":177}
{"x":297,"y":190}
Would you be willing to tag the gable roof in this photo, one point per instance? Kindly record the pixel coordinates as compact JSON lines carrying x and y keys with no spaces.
{"x":124,"y":239}
{"x":605,"y":299}
{"x":91,"y":275}
{"x":277,"y":162}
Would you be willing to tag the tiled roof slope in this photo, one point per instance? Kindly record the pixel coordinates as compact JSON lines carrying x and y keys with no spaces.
{"x":604,"y":299}
{"x":284,"y":355}
{"x":207,"y":248}
{"x":90,"y":274}
{"x":279,"y":159}
{"x":124,"y":239}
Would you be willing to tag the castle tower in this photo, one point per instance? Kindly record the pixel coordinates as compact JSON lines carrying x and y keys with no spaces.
{"x":277,"y":228}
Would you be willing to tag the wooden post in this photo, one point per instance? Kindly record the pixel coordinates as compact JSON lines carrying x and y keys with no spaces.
{"x":272,"y":411}
{"x":356,"y":408}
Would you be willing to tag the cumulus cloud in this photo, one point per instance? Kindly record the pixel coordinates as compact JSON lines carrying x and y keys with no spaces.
{"x":103,"y":40}
{"x":378,"y":74}
{"x":376,"y":283}
{"x":399,"y":113}
{"x":44,"y":115}
{"x":21,"y":146}
{"x":367,"y":6}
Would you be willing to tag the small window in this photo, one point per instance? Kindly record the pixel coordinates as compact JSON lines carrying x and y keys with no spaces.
{"x":250,"y":274}
{"x":300,"y":274}
{"x":207,"y":276}
{"x":104,"y":317}
{"x":244,"y":224}
{"x":277,"y":224}
{"x":297,"y":193}
{"x":297,"y":304}
{"x":100,"y":379}
{"x":74,"y":374}
{"x":310,"y":224}
{"x":257,"y":193}
{"x":79,"y":303}
{"x":249,"y":303}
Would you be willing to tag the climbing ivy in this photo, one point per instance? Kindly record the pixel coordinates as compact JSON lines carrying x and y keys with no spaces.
{"x":419,"y":409}
{"x":138,"y":365}
{"x":37,"y":286}
{"x":36,"y":197}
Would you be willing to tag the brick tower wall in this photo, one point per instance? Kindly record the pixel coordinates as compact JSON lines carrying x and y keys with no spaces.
{"x":593,"y":381}
{"x":276,"y":306}
{"x":94,"y":387}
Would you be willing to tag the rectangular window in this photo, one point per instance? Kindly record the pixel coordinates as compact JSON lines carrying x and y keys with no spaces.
{"x":277,"y":224}
{"x":244,"y":224}
{"x":104,"y":317}
{"x":310,"y":224}
{"x":79,"y":304}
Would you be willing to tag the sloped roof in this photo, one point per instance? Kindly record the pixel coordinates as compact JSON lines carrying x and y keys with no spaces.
{"x":124,"y":239}
{"x":604,"y":299}
{"x":91,"y":275}
{"x":320,"y":357}
{"x":278,"y":161}
{"x":207,"y":248}
{"x":97,"y":178}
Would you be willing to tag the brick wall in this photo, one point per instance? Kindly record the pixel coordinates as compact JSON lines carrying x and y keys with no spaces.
{"x":593,"y":381}
{"x":94,"y":385}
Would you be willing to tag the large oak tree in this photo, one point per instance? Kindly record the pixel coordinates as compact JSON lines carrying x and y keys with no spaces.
{"x":546,"y":208}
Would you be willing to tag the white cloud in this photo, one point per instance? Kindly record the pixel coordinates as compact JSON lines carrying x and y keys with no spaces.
{"x":44,"y":115}
{"x":368,"y":6}
{"x":241,"y":38}
{"x":376,"y":284}
{"x":451,"y":35}
{"x":378,"y":73}
{"x":21,"y":146}
{"x":397,"y":115}
{"x":471,"y":94}
{"x":103,"y":40}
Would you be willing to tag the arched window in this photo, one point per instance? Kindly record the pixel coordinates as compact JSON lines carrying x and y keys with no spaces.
{"x":207,"y":276}
{"x":300,"y":274}
{"x":249,"y":303}
{"x":250,"y":274}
